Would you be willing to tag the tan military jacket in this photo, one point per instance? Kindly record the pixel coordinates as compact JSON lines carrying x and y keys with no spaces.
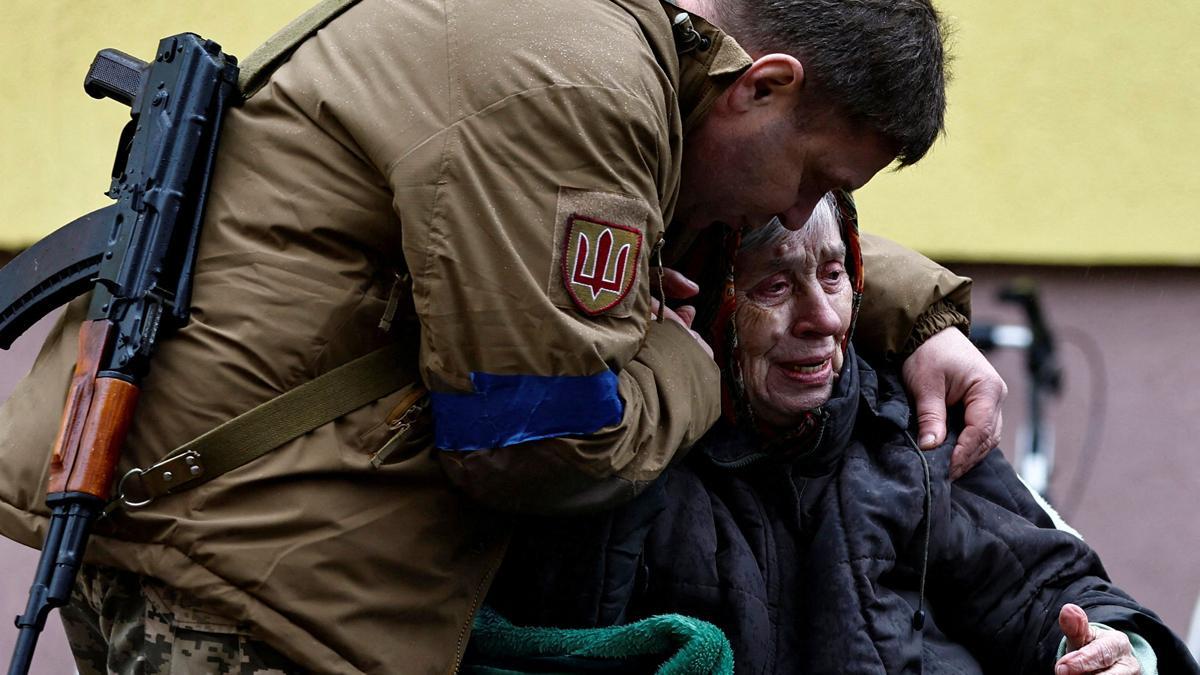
{"x":486,"y":148}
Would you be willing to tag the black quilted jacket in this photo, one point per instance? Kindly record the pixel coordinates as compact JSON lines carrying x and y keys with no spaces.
{"x":815,"y":565}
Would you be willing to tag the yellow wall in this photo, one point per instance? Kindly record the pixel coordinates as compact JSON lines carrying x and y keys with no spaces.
{"x":1074,"y":127}
{"x":1073,"y":136}
{"x":57,"y":143}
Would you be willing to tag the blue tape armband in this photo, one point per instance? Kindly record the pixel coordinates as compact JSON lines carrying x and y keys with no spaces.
{"x":510,"y":409}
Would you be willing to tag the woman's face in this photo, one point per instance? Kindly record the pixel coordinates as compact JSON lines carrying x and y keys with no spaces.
{"x":794,"y":303}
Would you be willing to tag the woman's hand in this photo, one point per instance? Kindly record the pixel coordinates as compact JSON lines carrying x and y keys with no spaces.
{"x":1093,"y":650}
{"x":678,"y":287}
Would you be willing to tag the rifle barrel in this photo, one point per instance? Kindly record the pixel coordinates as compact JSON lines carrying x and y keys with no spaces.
{"x":34,"y":619}
{"x":22,"y":656}
{"x":71,"y":518}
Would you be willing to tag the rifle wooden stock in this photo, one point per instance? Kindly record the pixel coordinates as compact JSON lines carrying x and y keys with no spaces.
{"x":95,"y":420}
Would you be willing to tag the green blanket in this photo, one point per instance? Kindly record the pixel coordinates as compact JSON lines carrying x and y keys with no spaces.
{"x":669,"y":644}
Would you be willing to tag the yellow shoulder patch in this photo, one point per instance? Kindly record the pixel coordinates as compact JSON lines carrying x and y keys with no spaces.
{"x":598,"y":261}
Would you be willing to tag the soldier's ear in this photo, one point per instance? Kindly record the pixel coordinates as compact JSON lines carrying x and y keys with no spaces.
{"x":773,"y":79}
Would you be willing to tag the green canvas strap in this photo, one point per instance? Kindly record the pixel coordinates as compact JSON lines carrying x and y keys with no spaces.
{"x":272,"y":424}
{"x":257,"y":68}
{"x":301,"y":410}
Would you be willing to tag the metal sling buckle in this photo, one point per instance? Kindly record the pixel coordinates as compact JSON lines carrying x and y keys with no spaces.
{"x":121,"y":490}
{"x":168,"y":473}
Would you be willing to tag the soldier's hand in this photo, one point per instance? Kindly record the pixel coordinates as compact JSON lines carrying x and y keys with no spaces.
{"x":945,"y":370}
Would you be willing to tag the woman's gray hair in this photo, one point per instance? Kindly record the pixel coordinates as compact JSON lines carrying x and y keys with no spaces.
{"x":824,"y":213}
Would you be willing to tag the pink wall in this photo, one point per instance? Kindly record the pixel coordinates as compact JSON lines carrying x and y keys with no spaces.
{"x":1137,"y":509}
{"x":52,"y":656}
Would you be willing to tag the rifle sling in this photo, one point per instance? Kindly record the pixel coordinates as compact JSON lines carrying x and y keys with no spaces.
{"x":258,"y":67}
{"x":260,"y":430}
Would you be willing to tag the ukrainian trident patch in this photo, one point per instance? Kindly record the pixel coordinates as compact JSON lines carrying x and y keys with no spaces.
{"x":600,"y":262}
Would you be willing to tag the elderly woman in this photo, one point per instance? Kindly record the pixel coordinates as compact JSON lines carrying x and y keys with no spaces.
{"x":809,"y":527}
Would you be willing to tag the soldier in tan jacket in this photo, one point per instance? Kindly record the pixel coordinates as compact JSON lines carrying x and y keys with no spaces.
{"x":491,"y":182}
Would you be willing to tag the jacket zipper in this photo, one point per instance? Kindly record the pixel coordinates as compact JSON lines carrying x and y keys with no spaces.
{"x":402,"y":424}
{"x":460,"y":647}
{"x":743,"y":462}
{"x":656,"y":256}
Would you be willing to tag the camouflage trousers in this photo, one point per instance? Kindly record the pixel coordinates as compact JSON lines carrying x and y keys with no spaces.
{"x":121,"y":623}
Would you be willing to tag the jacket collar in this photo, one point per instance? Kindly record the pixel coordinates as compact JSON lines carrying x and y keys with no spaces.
{"x":700,"y":70}
{"x":813,"y":453}
{"x":859,"y":391}
{"x":709,"y":61}
{"x":883,"y":395}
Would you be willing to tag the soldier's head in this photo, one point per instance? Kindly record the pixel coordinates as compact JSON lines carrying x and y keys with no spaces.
{"x":838,"y":90}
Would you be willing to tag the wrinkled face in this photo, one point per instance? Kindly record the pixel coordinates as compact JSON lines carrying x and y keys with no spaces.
{"x":794,"y":304}
{"x":760,"y":167}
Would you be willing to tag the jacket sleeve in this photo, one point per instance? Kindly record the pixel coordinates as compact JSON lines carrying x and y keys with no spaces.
{"x":529,"y":219}
{"x":907,"y":299}
{"x":1000,"y":573}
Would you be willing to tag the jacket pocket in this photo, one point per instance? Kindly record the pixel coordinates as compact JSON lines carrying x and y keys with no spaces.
{"x":408,"y":428}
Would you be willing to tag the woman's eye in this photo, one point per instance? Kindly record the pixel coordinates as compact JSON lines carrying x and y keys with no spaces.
{"x":771,"y":290}
{"x":834,"y":274}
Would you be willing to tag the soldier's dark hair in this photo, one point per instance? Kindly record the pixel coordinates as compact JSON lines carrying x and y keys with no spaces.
{"x":881,"y":61}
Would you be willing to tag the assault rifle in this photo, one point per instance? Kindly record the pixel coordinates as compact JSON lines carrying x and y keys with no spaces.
{"x":137,"y":256}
